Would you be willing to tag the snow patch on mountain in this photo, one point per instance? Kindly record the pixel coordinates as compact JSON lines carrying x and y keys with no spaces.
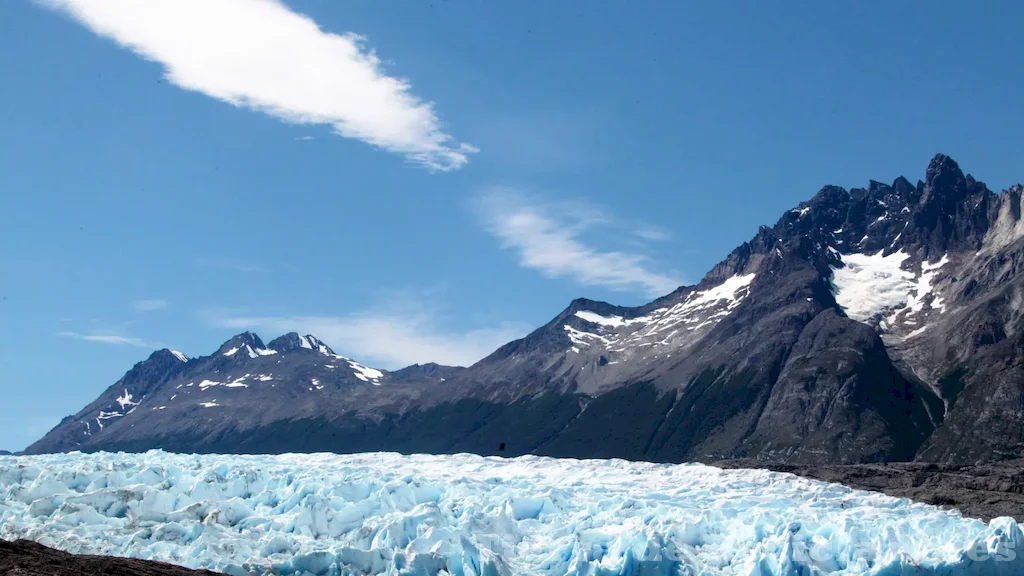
{"x":663,"y":326}
{"x":251,"y":352}
{"x":613,"y":321}
{"x":126,"y":400}
{"x":868,"y":285}
{"x":106,"y":416}
{"x":924,"y":286}
{"x":364,"y":373}
{"x":179,"y":356}
{"x":581,"y":338}
{"x":731,"y":291}
{"x":257,"y":352}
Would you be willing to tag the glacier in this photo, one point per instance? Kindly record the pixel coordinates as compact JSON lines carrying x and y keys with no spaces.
{"x":462,"y":515}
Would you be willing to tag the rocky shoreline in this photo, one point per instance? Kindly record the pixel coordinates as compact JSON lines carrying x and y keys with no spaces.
{"x":982,"y":491}
{"x":28,"y":558}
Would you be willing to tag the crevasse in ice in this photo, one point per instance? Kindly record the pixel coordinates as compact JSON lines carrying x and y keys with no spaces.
{"x":467,"y":515}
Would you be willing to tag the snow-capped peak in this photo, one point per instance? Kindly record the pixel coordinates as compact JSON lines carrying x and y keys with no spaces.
{"x":294,"y":341}
{"x":179,"y":356}
{"x":241,"y":342}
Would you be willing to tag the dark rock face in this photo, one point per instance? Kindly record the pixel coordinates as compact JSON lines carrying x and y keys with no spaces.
{"x":27,"y":558}
{"x":839,"y":378}
{"x":883,"y":323}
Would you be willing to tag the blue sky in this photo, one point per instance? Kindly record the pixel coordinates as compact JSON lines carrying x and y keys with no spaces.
{"x":415,"y":181}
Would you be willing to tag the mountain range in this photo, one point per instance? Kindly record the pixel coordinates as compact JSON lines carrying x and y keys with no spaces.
{"x":875,"y":324}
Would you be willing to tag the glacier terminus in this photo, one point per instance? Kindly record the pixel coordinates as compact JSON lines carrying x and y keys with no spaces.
{"x":384,"y":513}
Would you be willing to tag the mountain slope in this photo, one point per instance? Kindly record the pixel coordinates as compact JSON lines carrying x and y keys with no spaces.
{"x":244,"y":386}
{"x":874,"y":324}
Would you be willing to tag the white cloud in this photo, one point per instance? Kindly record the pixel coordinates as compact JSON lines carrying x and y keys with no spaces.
{"x":261,"y":55}
{"x":652,"y":233}
{"x":548,"y":238}
{"x":149,"y":305}
{"x":388,"y":339}
{"x":108,"y":339}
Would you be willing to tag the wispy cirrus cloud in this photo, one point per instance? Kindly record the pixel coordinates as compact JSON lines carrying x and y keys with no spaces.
{"x":260,"y":54}
{"x":108,"y":339}
{"x":548,"y":237}
{"x":149,"y":304}
{"x":652,"y":233}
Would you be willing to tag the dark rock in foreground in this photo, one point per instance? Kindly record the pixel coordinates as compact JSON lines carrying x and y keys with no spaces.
{"x":27,"y":558}
{"x":982,"y":491}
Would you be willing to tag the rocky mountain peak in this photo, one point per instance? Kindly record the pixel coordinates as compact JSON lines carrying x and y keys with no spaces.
{"x":942,"y":172}
{"x":830,"y":196}
{"x":243,"y":339}
{"x":294,"y":341}
{"x":247,"y":343}
{"x":168,"y":357}
{"x":287,"y":342}
{"x":945,"y":185}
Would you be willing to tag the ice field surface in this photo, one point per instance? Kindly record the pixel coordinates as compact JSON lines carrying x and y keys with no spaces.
{"x":467,"y":515}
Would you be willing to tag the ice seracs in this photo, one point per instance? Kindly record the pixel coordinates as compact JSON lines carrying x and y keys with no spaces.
{"x":385,"y":513}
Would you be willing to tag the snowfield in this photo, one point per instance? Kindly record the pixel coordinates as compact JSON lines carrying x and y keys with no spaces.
{"x":467,"y":515}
